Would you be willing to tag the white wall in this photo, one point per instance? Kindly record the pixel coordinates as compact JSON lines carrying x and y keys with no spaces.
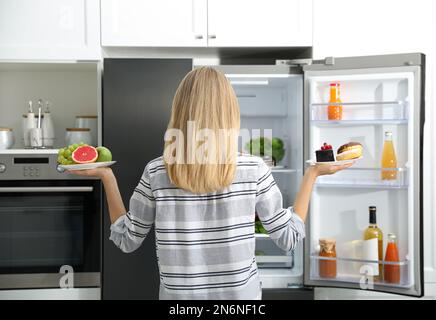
{"x":71,"y":92}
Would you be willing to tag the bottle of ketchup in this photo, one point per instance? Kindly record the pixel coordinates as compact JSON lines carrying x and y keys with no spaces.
{"x":335,"y":109}
{"x":392,"y":271}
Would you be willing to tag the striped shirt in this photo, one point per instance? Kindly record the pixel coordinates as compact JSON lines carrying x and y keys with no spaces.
{"x":205,"y":242}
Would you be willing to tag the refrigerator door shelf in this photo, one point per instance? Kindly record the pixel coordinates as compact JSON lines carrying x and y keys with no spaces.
{"x":358,"y":122}
{"x":378,"y":112}
{"x":365,"y":178}
{"x":360,"y":271}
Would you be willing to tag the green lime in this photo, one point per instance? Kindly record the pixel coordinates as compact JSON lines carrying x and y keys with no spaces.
{"x":75,"y":146}
{"x":104,"y":154}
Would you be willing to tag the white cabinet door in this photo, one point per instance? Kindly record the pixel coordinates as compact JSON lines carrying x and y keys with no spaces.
{"x":345,"y":28}
{"x":49,"y":30}
{"x":259,"y":23}
{"x":158,"y":23}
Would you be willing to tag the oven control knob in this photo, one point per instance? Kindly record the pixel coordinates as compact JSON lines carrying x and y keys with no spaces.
{"x":59,"y":169}
{"x":2,"y":167}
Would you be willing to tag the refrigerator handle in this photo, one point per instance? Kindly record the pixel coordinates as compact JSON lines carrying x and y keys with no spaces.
{"x":329,"y":61}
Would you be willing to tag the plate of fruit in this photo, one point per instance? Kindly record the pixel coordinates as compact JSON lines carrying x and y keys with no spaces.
{"x":80,"y":156}
{"x":347,"y":153}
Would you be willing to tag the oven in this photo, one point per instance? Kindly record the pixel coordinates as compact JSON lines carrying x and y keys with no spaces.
{"x":50,"y":225}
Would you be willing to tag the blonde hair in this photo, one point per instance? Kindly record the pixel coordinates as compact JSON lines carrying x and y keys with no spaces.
{"x":204,"y":100}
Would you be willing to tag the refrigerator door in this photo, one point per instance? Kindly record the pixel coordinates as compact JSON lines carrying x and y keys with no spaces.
{"x":137,"y":97}
{"x":378,"y":94}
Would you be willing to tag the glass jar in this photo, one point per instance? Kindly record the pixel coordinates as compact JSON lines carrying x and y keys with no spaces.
{"x":327,"y":268}
{"x":78,"y":135}
{"x":334,"y":110}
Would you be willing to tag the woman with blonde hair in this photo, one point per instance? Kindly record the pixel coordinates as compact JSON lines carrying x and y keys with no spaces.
{"x":202,"y":196}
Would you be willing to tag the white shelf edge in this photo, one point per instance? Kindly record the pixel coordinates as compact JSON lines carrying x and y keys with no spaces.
{"x":359,"y":186}
{"x":29,"y":151}
{"x":261,"y":235}
{"x":283,"y":170}
{"x":274,"y":259}
{"x":358,"y":122}
{"x":359,"y":103}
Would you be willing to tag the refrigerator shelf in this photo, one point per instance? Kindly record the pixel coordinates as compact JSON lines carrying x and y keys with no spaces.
{"x":358,"y":113}
{"x":359,"y":122}
{"x":260,"y":259}
{"x":283,"y":170}
{"x":364,"y":178}
{"x":354,"y":271}
{"x":261,"y":235}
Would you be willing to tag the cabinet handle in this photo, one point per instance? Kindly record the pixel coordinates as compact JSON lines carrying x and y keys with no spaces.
{"x":212,"y":36}
{"x":199,"y":37}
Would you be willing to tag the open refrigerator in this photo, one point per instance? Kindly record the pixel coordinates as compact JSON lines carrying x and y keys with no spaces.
{"x":379,"y":94}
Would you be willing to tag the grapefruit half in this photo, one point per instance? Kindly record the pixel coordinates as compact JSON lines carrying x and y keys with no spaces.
{"x":85,"y":154}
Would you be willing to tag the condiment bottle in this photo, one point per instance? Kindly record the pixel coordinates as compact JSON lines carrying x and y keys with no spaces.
{"x":47,"y":127}
{"x":392,"y":271}
{"x":327,"y":268}
{"x":334,"y":110}
{"x":389,"y":159}
{"x":28,"y":124}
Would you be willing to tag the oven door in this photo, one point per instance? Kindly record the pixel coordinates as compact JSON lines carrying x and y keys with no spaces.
{"x":48,"y":229}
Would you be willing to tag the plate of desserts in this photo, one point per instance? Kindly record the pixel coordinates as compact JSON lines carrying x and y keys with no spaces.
{"x":347,"y":153}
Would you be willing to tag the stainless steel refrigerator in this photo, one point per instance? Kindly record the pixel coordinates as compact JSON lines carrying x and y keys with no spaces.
{"x":379,"y":93}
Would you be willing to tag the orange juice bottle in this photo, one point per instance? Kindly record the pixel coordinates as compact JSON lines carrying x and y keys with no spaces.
{"x":392,"y":271}
{"x":389,"y":160}
{"x":334,"y":111}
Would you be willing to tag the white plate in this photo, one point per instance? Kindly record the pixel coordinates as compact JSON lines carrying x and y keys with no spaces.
{"x":334,"y":163}
{"x":86,"y":166}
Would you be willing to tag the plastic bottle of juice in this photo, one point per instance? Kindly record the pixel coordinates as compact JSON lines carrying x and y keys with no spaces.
{"x":392,"y":271}
{"x":334,"y":111}
{"x":389,"y":160}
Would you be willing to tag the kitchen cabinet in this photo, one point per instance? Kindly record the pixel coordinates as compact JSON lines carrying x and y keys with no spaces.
{"x":206,"y":23}
{"x":160,"y":23}
{"x":395,"y":27}
{"x":370,"y":27}
{"x":259,"y":23}
{"x":49,"y":30}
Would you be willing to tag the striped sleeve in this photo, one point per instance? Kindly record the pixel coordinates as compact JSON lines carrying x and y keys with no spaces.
{"x":130,"y":230}
{"x":285,"y":227}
